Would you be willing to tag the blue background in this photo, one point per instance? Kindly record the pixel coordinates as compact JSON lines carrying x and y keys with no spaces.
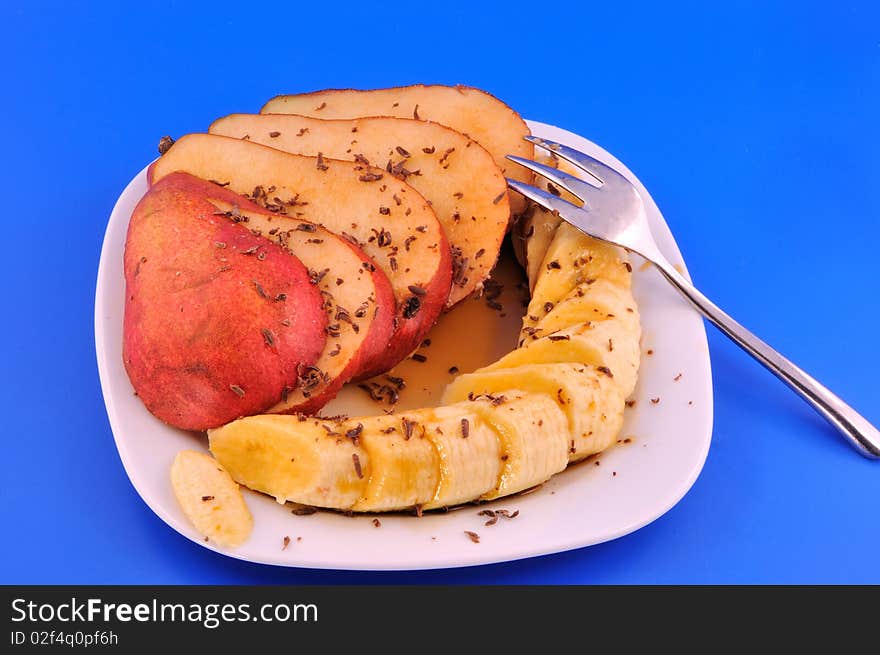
{"x":754,"y":125}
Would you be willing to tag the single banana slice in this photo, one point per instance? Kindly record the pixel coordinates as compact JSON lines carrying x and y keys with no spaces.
{"x":404,"y":464}
{"x":608,"y":345}
{"x":469,"y":451}
{"x":591,"y":399}
{"x":533,"y":436}
{"x":595,"y":301}
{"x":308,"y":461}
{"x":573,"y":259}
{"x":537,"y":229}
{"x":210,"y":498}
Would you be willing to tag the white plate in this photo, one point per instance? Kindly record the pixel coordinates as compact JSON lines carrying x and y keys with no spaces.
{"x":634,"y":484}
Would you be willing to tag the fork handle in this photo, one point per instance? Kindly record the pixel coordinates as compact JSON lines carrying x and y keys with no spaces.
{"x":863,"y":436}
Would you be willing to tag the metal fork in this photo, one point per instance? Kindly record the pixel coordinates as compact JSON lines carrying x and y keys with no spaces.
{"x":613,"y":211}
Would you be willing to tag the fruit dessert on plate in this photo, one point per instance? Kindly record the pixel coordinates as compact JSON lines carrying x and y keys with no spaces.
{"x":284,"y":255}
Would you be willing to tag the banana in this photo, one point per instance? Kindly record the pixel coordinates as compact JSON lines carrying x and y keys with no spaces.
{"x":537,"y":229}
{"x":595,"y":301}
{"x":404,"y":464}
{"x":574,"y":259}
{"x":292,"y":459}
{"x":610,"y":346}
{"x":210,"y":499}
{"x":470,"y":455}
{"x":591,"y":400}
{"x":482,"y":448}
{"x":532,"y":434}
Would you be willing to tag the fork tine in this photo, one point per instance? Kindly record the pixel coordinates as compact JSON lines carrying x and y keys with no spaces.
{"x":582,"y":160}
{"x":575,"y":186}
{"x":543,"y":198}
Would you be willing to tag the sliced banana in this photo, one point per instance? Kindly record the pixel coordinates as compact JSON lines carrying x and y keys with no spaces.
{"x":307,"y":461}
{"x":469,"y":451}
{"x":538,"y":228}
{"x":608,"y":345}
{"x":573,"y":259}
{"x":404,"y":464}
{"x":532,"y":434}
{"x":210,"y":499}
{"x":594,"y":301}
{"x":591,"y":399}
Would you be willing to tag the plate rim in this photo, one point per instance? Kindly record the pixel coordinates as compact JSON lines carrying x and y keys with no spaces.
{"x":434,"y":562}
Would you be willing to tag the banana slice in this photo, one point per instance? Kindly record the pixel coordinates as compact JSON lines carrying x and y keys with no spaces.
{"x":608,"y":345}
{"x":307,"y":461}
{"x":404,"y":464}
{"x":573,"y":259}
{"x":591,"y":399}
{"x":595,"y":301}
{"x":533,"y":437}
{"x":469,"y":451}
{"x":210,"y":499}
{"x":537,"y":229}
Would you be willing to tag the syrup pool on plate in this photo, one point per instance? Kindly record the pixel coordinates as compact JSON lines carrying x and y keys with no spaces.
{"x":476,"y":332}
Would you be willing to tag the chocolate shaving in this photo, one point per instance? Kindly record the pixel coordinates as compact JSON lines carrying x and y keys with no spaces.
{"x":355,"y":432}
{"x":411,"y":307}
{"x":473,"y":536}
{"x":165,"y":144}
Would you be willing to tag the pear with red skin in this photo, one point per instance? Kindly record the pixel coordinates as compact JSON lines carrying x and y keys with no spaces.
{"x":347,"y":279}
{"x":207,"y":337}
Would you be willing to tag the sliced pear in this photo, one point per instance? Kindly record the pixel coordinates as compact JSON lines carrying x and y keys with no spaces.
{"x":406,"y":242}
{"x":456,"y":175}
{"x":366,"y":295}
{"x":494,"y":125}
